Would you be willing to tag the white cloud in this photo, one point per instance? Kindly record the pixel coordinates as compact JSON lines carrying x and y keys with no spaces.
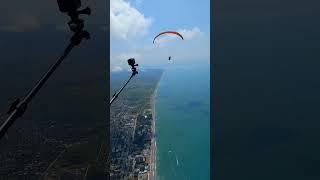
{"x":123,"y":57}
{"x":126,"y":21}
{"x":190,"y":34}
{"x":121,"y":60}
{"x":116,"y":69}
{"x":194,"y":49}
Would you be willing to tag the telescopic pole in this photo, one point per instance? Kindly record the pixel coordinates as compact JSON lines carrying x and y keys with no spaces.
{"x":18,"y":107}
{"x":114,"y":97}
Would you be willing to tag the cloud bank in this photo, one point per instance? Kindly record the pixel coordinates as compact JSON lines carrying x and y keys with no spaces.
{"x":129,"y":39}
{"x":126,"y":21}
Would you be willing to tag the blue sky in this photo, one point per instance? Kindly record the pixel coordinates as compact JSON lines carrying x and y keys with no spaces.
{"x":175,"y":14}
{"x":134,"y":23}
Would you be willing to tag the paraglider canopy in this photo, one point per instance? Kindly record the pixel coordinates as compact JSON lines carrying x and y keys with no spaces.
{"x":168,"y":32}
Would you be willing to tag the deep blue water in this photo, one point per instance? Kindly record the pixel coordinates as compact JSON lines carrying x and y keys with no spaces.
{"x":183,"y":123}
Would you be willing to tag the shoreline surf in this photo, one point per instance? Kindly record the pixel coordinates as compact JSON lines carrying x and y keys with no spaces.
{"x":153,"y":141}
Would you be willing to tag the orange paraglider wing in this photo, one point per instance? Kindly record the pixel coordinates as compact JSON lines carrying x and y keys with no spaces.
{"x":167,"y":32}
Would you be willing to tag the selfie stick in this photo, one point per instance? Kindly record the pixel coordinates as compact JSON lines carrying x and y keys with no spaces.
{"x":131,"y":63}
{"x":76,"y":25}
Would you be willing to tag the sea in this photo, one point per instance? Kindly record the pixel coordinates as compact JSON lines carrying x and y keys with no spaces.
{"x":183,"y":123}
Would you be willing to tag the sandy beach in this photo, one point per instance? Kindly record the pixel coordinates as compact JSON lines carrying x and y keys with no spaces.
{"x":152,"y":174}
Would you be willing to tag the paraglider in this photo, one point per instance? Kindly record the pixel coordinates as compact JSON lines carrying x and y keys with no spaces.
{"x":167,"y":32}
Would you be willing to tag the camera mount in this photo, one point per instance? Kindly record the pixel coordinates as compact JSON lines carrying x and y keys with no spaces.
{"x":76,"y":24}
{"x":132,"y":63}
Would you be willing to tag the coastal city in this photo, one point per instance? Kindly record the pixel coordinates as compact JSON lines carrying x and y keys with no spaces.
{"x":71,"y":147}
{"x":132,"y":131}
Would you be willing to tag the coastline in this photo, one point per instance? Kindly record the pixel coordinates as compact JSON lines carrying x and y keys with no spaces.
{"x":153,"y":148}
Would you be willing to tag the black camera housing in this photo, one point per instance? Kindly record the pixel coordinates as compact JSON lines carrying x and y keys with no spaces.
{"x":131,"y":62}
{"x":69,"y":5}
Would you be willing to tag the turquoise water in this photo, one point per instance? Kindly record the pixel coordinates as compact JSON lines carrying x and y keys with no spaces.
{"x":183,"y":123}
